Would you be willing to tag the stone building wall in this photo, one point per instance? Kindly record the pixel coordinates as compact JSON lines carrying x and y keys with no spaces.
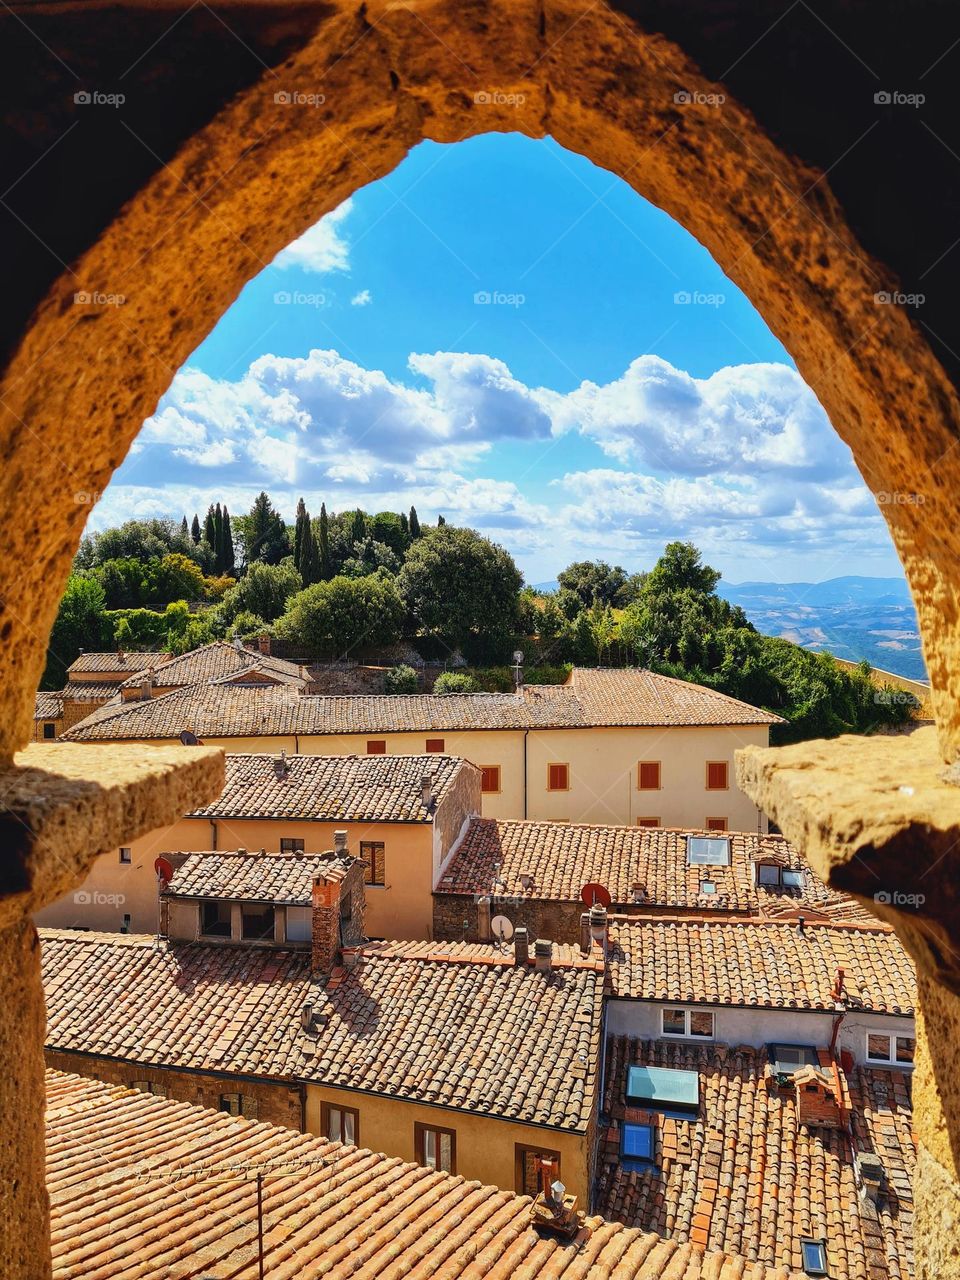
{"x":558,"y":921}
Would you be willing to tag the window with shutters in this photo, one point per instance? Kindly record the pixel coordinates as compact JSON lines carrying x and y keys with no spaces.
{"x":490,"y":778}
{"x":372,"y":857}
{"x":648,"y":822}
{"x":648,"y":775}
{"x":290,"y":845}
{"x":126,"y":856}
{"x":558,"y":777}
{"x":528,"y":1162}
{"x":340,"y":1124}
{"x":376,"y":747}
{"x":436,"y":744}
{"x":716,"y":824}
{"x":717,"y":775}
{"x":436,"y":1148}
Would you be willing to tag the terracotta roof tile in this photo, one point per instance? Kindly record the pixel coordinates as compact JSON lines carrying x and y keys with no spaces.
{"x":132,"y":1191}
{"x":457,"y":1025}
{"x":253,"y":877}
{"x":47,"y":706}
{"x":120,"y":664}
{"x":561,"y":858}
{"x":633,"y":697}
{"x":746,"y":1175}
{"x":333,"y":788}
{"x":218,"y":661}
{"x":768,"y":964}
{"x":90,"y":691}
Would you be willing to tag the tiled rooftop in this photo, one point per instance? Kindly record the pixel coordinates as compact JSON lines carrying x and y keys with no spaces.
{"x":764,"y":964}
{"x":217,"y":661}
{"x":332,"y":788}
{"x":47,"y":706}
{"x":592,"y":698}
{"x":132,"y":1195}
{"x":90,"y":691}
{"x":746,"y":1175}
{"x":253,"y":877}
{"x":561,"y":858}
{"x":457,"y":1025}
{"x":114,"y":662}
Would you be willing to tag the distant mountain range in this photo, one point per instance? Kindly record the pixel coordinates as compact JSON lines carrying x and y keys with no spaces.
{"x":852,"y":617}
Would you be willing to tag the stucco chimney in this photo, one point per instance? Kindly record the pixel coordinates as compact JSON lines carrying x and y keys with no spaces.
{"x":521,"y":945}
{"x":426,"y":786}
{"x":146,"y":685}
{"x":484,"y":931}
{"x":543,"y":955}
{"x":598,"y":924}
{"x":586,"y":940}
{"x":340,"y":841}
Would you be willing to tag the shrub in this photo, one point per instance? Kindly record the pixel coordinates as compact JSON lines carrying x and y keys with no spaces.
{"x":401,"y":679}
{"x":454,"y":682}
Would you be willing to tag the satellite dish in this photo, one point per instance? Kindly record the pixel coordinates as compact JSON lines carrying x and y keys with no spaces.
{"x":502,"y":928}
{"x":164,"y":870}
{"x":591,"y":894}
{"x":189,"y":738}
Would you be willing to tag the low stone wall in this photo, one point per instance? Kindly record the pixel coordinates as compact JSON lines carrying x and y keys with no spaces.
{"x":275,"y":1103}
{"x":558,"y":921}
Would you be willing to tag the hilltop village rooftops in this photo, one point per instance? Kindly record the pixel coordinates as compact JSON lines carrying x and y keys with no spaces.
{"x":762,"y":1164}
{"x":455,"y":1025}
{"x":642,"y":868}
{"x":761,"y":964}
{"x":132,"y":1172}
{"x":217,"y":661}
{"x":632,"y":698}
{"x":285,"y":879}
{"x":334,"y":788}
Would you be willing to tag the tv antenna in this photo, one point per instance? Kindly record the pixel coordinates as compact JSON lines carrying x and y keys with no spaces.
{"x":595,"y":894}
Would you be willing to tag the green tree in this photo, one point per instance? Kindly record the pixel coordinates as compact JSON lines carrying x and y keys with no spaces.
{"x":184,"y":528}
{"x":264,"y":534}
{"x":210,"y":531}
{"x":358,"y":525}
{"x":302,"y":519}
{"x":401,"y":679}
{"x":594,"y":581}
{"x":414,"y":522}
{"x":195,"y":529}
{"x":681,"y":567}
{"x":229,"y":557}
{"x":263,"y":591}
{"x":440,"y":522}
{"x":455,"y":682}
{"x":387,"y":527}
{"x":337,"y":617}
{"x":79,"y":625}
{"x":323,"y":544}
{"x":465,"y":588}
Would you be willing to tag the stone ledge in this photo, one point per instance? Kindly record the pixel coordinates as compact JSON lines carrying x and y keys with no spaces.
{"x":875,"y":818}
{"x":62,"y":804}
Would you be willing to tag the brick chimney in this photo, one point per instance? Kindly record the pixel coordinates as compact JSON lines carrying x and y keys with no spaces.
{"x":325,"y":951}
{"x":586,"y":941}
{"x":263,"y":644}
{"x":146,"y":685}
{"x":817,"y":1103}
{"x":521,"y":945}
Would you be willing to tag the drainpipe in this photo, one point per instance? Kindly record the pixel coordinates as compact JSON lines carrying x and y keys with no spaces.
{"x":213,"y":832}
{"x":525,"y":733}
{"x":296,"y":744}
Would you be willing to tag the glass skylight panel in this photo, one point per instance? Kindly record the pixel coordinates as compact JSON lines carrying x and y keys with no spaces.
{"x":792,"y":879}
{"x":637,"y":1142}
{"x":814,"y":1257}
{"x":663,"y":1087}
{"x":708,"y":851}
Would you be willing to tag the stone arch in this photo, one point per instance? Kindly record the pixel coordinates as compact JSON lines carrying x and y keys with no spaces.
{"x":265,"y":168}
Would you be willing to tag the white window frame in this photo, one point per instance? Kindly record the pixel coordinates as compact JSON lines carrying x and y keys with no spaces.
{"x":891,"y":1060}
{"x":686,"y":1034}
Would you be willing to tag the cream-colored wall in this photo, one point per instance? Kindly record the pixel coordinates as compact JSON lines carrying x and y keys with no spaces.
{"x":603,"y":775}
{"x":402,"y":908}
{"x":486,"y":1146}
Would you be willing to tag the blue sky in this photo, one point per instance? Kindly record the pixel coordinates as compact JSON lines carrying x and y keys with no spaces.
{"x":502,"y":332}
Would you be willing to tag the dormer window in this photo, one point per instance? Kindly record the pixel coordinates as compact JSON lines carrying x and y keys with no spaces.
{"x":770,"y":875}
{"x":215,"y":919}
{"x":708,"y":851}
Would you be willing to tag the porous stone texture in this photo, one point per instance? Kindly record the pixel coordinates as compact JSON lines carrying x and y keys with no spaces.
{"x":875,"y":817}
{"x":64,"y":804}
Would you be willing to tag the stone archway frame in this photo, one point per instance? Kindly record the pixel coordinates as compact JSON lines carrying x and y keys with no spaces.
{"x":84,"y":378}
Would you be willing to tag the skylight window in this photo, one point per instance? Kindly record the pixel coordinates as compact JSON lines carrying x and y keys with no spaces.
{"x":788,"y":1058}
{"x":637,"y":1143}
{"x":814,"y":1254}
{"x":708,"y":851}
{"x":663,"y":1087}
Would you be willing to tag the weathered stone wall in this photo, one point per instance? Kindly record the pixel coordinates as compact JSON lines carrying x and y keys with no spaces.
{"x":558,"y":921}
{"x":276,"y":1103}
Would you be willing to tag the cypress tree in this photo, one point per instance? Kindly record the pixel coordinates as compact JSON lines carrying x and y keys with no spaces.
{"x":440,"y":522}
{"x":218,"y":539}
{"x":310,"y":566}
{"x":414,"y":523}
{"x":184,"y":528}
{"x":358,"y":530}
{"x":303,"y":521}
{"x":209,"y":530}
{"x":405,"y":524}
{"x":195,"y":529}
{"x":228,"y":556}
{"x":323,"y":545}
